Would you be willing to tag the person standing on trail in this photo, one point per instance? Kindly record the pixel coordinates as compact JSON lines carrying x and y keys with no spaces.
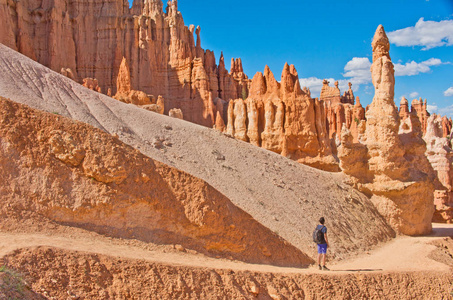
{"x":320,"y":237}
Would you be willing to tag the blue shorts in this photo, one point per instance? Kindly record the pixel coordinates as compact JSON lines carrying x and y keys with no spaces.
{"x":322,"y":248}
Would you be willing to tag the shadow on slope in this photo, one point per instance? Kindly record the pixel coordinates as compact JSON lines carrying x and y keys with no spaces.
{"x":81,"y":176}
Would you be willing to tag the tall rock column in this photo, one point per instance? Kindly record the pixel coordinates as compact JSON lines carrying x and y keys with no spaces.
{"x":394,"y":172}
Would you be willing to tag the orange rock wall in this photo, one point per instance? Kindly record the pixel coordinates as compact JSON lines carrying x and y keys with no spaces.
{"x":91,"y":39}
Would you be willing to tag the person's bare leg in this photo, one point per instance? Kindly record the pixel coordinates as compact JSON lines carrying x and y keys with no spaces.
{"x":319,"y":259}
{"x":324,"y":259}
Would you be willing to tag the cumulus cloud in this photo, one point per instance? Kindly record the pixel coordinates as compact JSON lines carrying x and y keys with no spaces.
{"x":313,"y":83}
{"x":413,"y":95}
{"x":358,"y":70}
{"x":414,"y":68}
{"x":432,"y":108}
{"x":449,"y":92}
{"x":428,"y":34}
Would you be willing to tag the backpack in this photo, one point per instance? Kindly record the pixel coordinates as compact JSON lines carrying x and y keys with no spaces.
{"x":318,"y":235}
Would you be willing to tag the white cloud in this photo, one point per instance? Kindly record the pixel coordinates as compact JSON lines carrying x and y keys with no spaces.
{"x":432,"y":108}
{"x":313,"y":83}
{"x":429,"y":34}
{"x":449,"y":92}
{"x":413,"y":95}
{"x":414,"y":68}
{"x":358,"y":70}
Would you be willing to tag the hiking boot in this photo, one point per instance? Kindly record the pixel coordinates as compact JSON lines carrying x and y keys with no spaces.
{"x":320,"y":267}
{"x":325,"y":268}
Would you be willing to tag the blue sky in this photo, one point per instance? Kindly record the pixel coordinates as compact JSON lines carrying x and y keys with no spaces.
{"x":332,"y":40}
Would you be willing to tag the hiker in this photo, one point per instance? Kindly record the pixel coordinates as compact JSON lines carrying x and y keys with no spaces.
{"x":320,"y":237}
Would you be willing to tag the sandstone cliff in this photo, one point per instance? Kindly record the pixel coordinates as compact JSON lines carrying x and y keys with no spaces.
{"x":391,"y":164}
{"x":89,"y":40}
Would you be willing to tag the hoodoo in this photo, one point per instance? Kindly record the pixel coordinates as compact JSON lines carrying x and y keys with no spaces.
{"x":389,"y":165}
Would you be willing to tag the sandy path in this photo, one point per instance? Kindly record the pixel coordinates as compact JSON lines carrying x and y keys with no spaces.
{"x":403,"y":254}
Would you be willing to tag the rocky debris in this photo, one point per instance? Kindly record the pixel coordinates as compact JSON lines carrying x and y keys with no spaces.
{"x":176,"y":113}
{"x":283,"y":118}
{"x":63,"y":146}
{"x":72,"y":173}
{"x":393,"y":167}
{"x":92,"y":84}
{"x":158,"y":107}
{"x":68,"y":73}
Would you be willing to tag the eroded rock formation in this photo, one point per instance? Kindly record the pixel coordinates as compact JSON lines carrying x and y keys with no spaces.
{"x":440,"y":155}
{"x":341,"y":110}
{"x":390,"y":163}
{"x":283,"y":118}
{"x":92,"y":38}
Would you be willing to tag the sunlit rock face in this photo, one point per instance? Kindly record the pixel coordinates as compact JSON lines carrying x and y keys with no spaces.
{"x":389,"y":163}
{"x":90,"y":39}
{"x":283,"y":118}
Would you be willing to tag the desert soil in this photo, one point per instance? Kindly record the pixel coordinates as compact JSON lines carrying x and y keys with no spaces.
{"x":51,"y":260}
{"x":403,"y":254}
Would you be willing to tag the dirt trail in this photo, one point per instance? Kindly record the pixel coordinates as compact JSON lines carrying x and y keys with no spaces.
{"x":403,"y":254}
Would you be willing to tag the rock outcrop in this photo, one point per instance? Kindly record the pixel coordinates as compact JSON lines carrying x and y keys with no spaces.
{"x":390,"y":164}
{"x":176,"y":113}
{"x":91,"y":83}
{"x":93,"y":38}
{"x":440,"y":156}
{"x":283,"y":118}
{"x":341,"y":110}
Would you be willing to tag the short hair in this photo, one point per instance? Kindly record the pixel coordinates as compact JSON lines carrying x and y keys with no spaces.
{"x":321,"y":220}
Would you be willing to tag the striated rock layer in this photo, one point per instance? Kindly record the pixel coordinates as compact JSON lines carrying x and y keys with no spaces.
{"x":77,"y":175}
{"x":87,"y":39}
{"x":390,"y":164}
